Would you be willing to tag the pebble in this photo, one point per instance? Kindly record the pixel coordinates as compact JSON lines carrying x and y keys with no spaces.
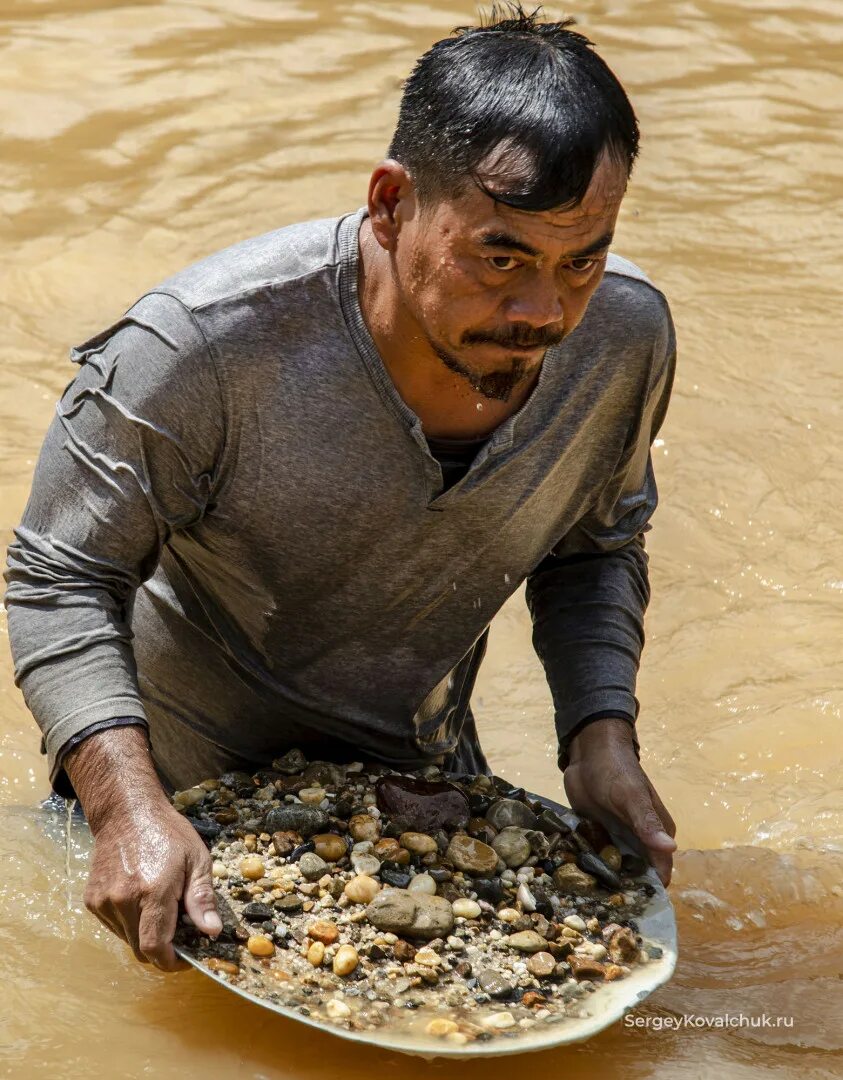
{"x":418,"y":843}
{"x":226,"y":967}
{"x":190,"y":797}
{"x":512,"y":846}
{"x":422,"y":883}
{"x":584,"y":967}
{"x":526,"y":898}
{"x":311,"y":866}
{"x":575,"y":922}
{"x":422,"y":805}
{"x":571,"y":881}
{"x":494,"y":984}
{"x":336,"y":1009}
{"x":509,"y":915}
{"x":329,"y":846}
{"x":312,"y":796}
{"x":441,"y":1027}
{"x":595,"y":866}
{"x":362,"y":889}
{"x":220,"y":870}
{"x":295,"y":817}
{"x":285,"y":842}
{"x":260,"y":945}
{"x":345,"y":960}
{"x":541,"y":964}
{"x":527,"y":941}
{"x":252,"y":868}
{"x":623,"y":948}
{"x":364,"y":827}
{"x":466,"y":909}
{"x":323,"y":931}
{"x":498,"y":1021}
{"x":428,"y":958}
{"x":611,"y":857}
{"x":316,"y":953}
{"x":472,"y":856}
{"x":508,"y":812}
{"x":411,"y":915}
{"x":365,"y":864}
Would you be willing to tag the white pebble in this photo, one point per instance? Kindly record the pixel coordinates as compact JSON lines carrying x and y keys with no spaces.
{"x":455,"y":943}
{"x":575,"y":923}
{"x":337,"y":1009}
{"x":499,"y":1021}
{"x":509,"y":915}
{"x":220,"y":870}
{"x":424,"y":883}
{"x":466,"y":909}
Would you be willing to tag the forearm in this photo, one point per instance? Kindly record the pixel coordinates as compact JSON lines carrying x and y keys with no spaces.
{"x":588,"y":631}
{"x":113,"y":775}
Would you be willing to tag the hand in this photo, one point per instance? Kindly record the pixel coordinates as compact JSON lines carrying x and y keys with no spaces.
{"x":144,"y":863}
{"x":147,"y":857}
{"x":604,"y":781}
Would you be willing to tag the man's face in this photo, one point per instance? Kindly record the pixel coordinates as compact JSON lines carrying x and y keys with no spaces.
{"x":493,"y":287}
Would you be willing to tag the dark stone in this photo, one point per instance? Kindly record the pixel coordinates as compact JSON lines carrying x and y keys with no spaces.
{"x":440,"y":874}
{"x":448,"y":891}
{"x":324,"y":774}
{"x":463,"y":969}
{"x":422,"y":805}
{"x":392,"y":829}
{"x":297,"y":852}
{"x":208,"y":830}
{"x":266,"y":776}
{"x":257,"y":912}
{"x":292,"y":762}
{"x":376,"y":953}
{"x":289,"y":903}
{"x":595,"y":866}
{"x":539,"y":843}
{"x":550,"y":823}
{"x":344,"y":806}
{"x":544,"y":901}
{"x":239,"y":782}
{"x":296,"y":817}
{"x":479,"y":804}
{"x":489,"y":889}
{"x":393,"y":874}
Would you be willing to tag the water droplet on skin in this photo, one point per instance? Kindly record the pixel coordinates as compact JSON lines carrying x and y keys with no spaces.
{"x":479,"y":406}
{"x":506,"y":578}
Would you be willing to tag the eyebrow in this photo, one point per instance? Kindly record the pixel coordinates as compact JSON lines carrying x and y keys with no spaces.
{"x":512,"y":243}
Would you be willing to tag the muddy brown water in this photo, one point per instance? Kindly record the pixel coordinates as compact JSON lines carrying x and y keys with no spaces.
{"x":135,"y":138}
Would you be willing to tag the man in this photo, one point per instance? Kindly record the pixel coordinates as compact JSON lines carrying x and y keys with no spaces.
{"x":290,"y":487}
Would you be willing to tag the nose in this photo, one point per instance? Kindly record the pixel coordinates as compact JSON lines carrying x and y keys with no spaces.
{"x":539,"y":303}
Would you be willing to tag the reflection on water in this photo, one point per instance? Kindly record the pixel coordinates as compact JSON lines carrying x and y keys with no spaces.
{"x":134,"y":139}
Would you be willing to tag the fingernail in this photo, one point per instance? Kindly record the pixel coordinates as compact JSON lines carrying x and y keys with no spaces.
{"x":213,"y":923}
{"x":664,"y":838}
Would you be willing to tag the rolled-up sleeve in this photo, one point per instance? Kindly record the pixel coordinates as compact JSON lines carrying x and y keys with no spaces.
{"x":588,"y":597}
{"x":132,"y":455}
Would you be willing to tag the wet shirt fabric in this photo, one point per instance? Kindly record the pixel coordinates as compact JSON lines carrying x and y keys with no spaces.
{"x":237,"y":532}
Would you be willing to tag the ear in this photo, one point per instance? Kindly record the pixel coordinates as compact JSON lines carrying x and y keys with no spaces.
{"x":391,"y":201}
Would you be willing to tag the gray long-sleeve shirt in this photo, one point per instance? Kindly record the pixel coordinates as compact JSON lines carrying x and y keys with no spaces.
{"x":236,"y":522}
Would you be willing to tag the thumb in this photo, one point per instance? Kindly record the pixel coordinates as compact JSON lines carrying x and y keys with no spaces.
{"x":648,"y":826}
{"x":200,"y":903}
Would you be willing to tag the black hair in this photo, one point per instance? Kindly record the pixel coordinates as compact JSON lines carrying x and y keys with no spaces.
{"x":532,"y":97}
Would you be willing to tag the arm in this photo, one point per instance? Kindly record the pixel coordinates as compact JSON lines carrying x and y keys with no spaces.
{"x":130,"y":457}
{"x":587,"y":600}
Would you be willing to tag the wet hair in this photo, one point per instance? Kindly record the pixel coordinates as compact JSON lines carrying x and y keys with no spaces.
{"x":529,"y":100}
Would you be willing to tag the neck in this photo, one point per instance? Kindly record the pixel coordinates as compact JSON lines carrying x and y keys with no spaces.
{"x":445,"y":402}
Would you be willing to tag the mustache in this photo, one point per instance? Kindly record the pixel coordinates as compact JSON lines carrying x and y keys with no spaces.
{"x":519,"y":335}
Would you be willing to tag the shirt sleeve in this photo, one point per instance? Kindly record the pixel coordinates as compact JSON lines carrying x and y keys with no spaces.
{"x":132,"y":455}
{"x":588,"y":597}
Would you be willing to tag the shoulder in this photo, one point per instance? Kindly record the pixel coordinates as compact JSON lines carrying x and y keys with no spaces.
{"x":628,"y":303}
{"x":258,"y":262}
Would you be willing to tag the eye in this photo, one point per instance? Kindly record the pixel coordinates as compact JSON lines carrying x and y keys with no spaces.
{"x":581,"y":266}
{"x":499,"y":261}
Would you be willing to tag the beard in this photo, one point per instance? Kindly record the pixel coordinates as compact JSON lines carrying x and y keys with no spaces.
{"x":499,"y":383}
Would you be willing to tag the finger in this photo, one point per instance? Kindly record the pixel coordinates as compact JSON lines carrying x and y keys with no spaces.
{"x":126,"y":916}
{"x":662,"y":862}
{"x":156,"y":928}
{"x":200,"y":902}
{"x":662,"y":811}
{"x":646,"y":822}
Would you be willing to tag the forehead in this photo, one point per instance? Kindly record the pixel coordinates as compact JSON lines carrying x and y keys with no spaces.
{"x":474,"y":213}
